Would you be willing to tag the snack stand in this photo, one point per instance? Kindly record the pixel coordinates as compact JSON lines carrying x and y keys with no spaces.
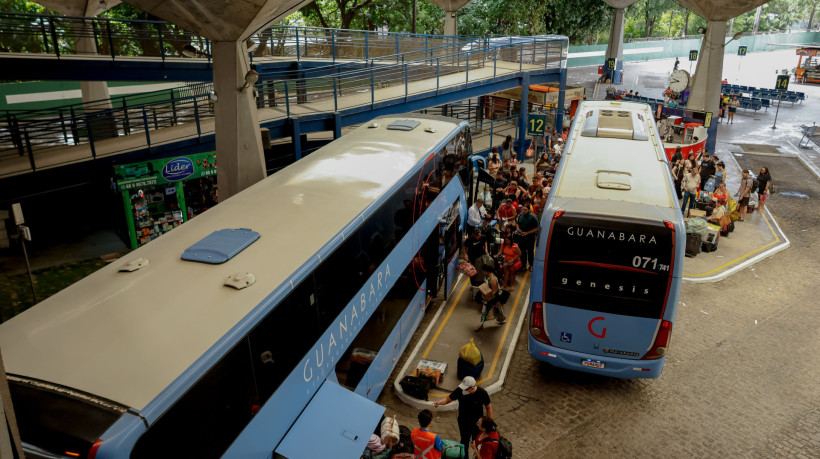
{"x":679,"y":127}
{"x":808,"y":64}
{"x":159,"y":195}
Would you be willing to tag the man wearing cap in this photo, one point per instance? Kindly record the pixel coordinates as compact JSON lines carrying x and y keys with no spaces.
{"x":472,"y":400}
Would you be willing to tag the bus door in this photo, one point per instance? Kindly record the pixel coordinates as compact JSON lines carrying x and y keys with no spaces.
{"x":433,"y":264}
{"x":483,"y":188}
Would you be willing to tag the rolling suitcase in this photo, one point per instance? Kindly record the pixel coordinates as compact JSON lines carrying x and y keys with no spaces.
{"x":693,"y":241}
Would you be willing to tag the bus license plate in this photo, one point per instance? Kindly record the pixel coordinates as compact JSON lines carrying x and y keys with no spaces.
{"x":593,"y":363}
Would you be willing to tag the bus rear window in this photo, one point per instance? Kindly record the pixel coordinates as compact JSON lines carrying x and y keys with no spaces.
{"x":57,"y":422}
{"x":610,"y":265}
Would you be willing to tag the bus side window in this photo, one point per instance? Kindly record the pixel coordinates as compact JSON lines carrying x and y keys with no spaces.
{"x":283,"y":338}
{"x":207,"y":419}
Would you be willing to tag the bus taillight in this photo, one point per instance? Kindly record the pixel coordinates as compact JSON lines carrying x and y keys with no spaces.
{"x":558,"y":214}
{"x":669,"y":225}
{"x":661,"y":342}
{"x":537,"y":329}
{"x":92,"y":453}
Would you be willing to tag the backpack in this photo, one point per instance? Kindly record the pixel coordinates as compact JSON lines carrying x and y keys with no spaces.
{"x":504,"y":448}
{"x":755,"y":185}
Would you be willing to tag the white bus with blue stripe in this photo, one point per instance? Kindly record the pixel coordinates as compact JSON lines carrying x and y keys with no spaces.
{"x":609,"y":261}
{"x":265,"y":327}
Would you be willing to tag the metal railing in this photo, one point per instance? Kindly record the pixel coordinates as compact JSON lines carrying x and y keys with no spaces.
{"x":548,"y":52}
{"x":34,"y":133}
{"x":112,"y":38}
{"x":394,"y":63}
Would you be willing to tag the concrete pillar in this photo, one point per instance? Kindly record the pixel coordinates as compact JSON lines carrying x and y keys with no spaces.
{"x":705,"y":87}
{"x":523,"y":115}
{"x":559,"y":110}
{"x":91,"y":90}
{"x":615,"y":48}
{"x":450,"y":23}
{"x":240,"y":158}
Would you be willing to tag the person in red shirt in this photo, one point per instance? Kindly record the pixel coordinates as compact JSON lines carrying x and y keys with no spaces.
{"x":507,"y":212}
{"x":426,"y":444}
{"x":486,"y":443}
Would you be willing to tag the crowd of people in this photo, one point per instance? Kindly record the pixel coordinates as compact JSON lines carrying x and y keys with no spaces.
{"x":502,"y":227}
{"x":704,"y":180}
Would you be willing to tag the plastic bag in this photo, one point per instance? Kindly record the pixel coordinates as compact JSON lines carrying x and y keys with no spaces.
{"x":470,"y":353}
{"x":697,"y":225}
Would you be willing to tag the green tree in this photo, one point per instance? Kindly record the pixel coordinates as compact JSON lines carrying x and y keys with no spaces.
{"x":580,"y":20}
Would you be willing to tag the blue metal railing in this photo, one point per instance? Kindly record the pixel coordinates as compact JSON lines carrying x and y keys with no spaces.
{"x":389,"y":62}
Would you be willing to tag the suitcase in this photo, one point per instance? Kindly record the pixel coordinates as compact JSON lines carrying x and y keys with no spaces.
{"x":750,"y":208}
{"x":465,"y":368}
{"x":693,"y":241}
{"x":712,"y":236}
{"x":453,"y":450}
{"x":415,"y":387}
{"x":709,"y":246}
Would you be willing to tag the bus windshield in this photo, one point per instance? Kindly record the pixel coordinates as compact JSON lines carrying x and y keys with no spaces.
{"x":58,"y":422}
{"x":609,"y":265}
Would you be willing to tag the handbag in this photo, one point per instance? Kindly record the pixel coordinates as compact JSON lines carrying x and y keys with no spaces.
{"x":517,"y":265}
{"x":772,"y":189}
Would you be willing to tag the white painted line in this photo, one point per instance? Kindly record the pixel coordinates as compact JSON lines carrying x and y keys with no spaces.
{"x":814,"y":170}
{"x":77,"y":94}
{"x":499,"y":384}
{"x":656,"y":49}
{"x":412,"y":401}
{"x":751,"y":261}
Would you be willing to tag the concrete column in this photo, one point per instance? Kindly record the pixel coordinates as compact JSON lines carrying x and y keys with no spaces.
{"x":450,"y":23}
{"x":91,"y":90}
{"x":559,"y":110}
{"x":523,"y":115}
{"x":705,"y":87}
{"x":240,"y":157}
{"x":615,"y":48}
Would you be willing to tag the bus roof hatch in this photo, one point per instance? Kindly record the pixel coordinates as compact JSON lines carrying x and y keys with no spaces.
{"x":615,"y":124}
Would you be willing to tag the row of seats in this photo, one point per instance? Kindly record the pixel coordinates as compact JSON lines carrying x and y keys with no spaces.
{"x":763,"y":93}
{"x":755,"y":104}
{"x":646,"y":100}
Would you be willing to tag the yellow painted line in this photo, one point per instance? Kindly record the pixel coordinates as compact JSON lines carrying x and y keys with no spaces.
{"x":776,"y":240}
{"x":446,"y":318}
{"x":506,"y":329}
{"x":509,"y":322}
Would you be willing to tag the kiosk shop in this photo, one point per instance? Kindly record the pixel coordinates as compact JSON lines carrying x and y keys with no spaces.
{"x":159,"y":195}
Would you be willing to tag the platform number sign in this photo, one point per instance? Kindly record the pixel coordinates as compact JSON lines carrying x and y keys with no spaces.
{"x":693,"y":55}
{"x":610,"y":63}
{"x":536,"y":123}
{"x":782,"y":83}
{"x":741,"y":50}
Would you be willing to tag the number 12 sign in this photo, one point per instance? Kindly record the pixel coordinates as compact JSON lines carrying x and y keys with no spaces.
{"x":535,"y":124}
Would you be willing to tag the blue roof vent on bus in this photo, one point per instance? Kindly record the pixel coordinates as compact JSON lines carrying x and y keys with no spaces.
{"x":220,"y":246}
{"x":403,"y":125}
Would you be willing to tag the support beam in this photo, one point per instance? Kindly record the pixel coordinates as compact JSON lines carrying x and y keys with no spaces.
{"x":241,"y":160}
{"x":522,"y":116}
{"x":91,"y":90}
{"x":615,"y":48}
{"x":450,"y":23}
{"x":559,"y":110}
{"x":705,"y":88}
